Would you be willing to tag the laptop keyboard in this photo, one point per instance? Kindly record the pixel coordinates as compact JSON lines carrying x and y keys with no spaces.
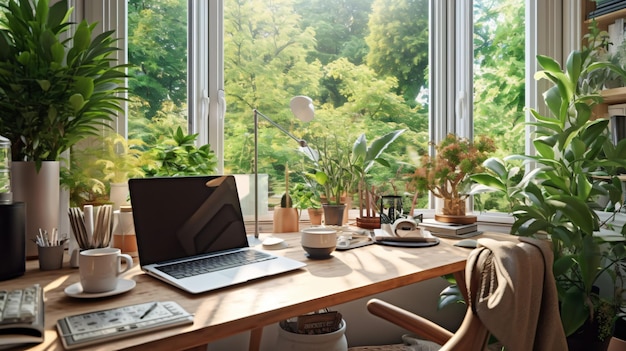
{"x":214,"y":263}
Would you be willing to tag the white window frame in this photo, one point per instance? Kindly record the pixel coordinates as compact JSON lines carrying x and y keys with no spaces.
{"x":553,"y":28}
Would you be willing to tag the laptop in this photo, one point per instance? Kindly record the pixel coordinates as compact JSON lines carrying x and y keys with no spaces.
{"x":182,"y":222}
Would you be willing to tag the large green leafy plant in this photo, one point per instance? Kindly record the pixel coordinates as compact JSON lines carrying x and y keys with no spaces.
{"x":338,"y":167}
{"x":54,"y":91}
{"x":575,"y":163}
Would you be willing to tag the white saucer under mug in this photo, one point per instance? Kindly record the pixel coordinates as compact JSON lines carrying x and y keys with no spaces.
{"x":123,"y":285}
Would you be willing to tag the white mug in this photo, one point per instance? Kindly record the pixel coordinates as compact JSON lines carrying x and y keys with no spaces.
{"x":99,"y":268}
{"x":318,"y":242}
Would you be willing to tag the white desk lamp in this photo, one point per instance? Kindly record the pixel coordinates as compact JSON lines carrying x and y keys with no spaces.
{"x":302,"y":108}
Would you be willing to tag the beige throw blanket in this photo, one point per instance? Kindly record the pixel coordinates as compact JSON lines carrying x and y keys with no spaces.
{"x":514,"y":293}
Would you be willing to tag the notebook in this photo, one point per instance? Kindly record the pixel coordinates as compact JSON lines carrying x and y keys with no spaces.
{"x":180,"y":221}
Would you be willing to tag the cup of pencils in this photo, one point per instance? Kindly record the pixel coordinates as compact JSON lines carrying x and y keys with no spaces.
{"x":50,"y":249}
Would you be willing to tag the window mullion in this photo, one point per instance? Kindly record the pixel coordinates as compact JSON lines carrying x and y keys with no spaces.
{"x":215,"y":67}
{"x":463,"y":65}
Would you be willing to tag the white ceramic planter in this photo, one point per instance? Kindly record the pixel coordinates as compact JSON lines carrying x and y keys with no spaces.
{"x":335,"y":341}
{"x":40,"y":191}
{"x":119,"y":195}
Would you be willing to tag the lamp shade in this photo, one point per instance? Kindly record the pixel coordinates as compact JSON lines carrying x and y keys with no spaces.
{"x":302,"y":108}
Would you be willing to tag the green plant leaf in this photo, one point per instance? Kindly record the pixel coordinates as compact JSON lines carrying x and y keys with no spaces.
{"x":574,"y":311}
{"x":576,"y":211}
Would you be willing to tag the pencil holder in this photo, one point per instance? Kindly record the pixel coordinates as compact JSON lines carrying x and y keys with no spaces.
{"x":50,"y":257}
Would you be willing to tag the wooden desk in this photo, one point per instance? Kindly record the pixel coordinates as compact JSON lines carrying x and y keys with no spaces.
{"x":347,"y":276}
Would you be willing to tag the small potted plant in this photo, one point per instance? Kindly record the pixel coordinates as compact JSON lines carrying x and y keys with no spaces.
{"x":446,"y":175}
{"x":335,"y":173}
{"x":120,"y":160}
{"x":306,"y":197}
{"x":286,"y":217}
{"x":364,"y":157}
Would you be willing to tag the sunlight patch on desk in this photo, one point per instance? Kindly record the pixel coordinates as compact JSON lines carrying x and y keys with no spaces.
{"x":56,"y":283}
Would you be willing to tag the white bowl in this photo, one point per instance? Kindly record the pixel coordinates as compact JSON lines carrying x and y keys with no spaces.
{"x":319,"y":242}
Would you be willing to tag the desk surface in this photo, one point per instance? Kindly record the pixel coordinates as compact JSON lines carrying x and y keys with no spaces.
{"x":347,"y":276}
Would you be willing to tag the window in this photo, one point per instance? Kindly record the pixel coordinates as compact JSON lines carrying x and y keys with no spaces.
{"x":358,"y":78}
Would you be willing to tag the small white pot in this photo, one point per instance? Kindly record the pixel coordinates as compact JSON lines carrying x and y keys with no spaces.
{"x":335,"y":341}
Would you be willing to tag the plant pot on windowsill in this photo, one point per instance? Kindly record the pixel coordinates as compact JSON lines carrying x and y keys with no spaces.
{"x":334,"y":214}
{"x":345,"y":201}
{"x":368,"y":222}
{"x":453,"y":211}
{"x":286,"y":220}
{"x":315,"y":215}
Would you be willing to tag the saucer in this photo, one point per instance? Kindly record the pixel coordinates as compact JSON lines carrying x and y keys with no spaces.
{"x":76,"y":290}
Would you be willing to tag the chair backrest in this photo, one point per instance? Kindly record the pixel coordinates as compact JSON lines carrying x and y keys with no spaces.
{"x":472,"y":335}
{"x":511,"y":294}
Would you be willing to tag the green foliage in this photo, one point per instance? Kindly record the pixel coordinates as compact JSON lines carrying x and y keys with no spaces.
{"x":318,"y":48}
{"x":447,"y":175}
{"x":406,"y":59}
{"x":98,"y":161}
{"x":176,"y":155}
{"x":333,"y":168}
{"x":305,"y":196}
{"x":557,"y":197}
{"x":340,"y":28}
{"x":120,"y":158}
{"x":54,"y":91}
{"x":157,"y":48}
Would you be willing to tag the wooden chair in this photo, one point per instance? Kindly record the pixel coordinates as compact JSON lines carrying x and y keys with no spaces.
{"x":505,"y":298}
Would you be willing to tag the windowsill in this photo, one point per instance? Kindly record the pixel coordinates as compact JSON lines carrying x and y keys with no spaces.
{"x":487,"y":221}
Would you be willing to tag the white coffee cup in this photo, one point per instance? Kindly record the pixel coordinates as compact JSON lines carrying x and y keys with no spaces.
{"x":99,"y":268}
{"x":319,"y":242}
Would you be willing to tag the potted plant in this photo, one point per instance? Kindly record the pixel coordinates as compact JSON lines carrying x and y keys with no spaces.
{"x":575,"y":163}
{"x":364,"y":157}
{"x":120,"y":160}
{"x":447,"y":174}
{"x":286,"y":217}
{"x":99,"y":166}
{"x":334,"y":171}
{"x":306,"y":197}
{"x":58,"y":84}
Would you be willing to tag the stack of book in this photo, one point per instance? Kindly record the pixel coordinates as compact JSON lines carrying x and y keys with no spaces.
{"x":449,"y":230}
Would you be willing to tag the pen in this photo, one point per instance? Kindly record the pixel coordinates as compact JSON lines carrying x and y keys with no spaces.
{"x":154,"y":305}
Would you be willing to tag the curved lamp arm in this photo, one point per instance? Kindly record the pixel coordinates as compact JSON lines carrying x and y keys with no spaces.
{"x":302,"y":108}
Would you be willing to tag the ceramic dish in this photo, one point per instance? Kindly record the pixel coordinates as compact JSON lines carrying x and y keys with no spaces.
{"x":76,"y":290}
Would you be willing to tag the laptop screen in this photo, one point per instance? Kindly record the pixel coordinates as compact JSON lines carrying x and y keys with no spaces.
{"x":180,"y":217}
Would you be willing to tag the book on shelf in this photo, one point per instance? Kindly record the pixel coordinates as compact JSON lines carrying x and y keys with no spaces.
{"x":440,"y":228}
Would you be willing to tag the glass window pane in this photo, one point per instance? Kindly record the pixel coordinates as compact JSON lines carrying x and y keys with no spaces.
{"x":157,"y":51}
{"x":499,"y":98}
{"x":363,"y":62}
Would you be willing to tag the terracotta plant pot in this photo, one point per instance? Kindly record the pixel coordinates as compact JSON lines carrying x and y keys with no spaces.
{"x":315,"y":215}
